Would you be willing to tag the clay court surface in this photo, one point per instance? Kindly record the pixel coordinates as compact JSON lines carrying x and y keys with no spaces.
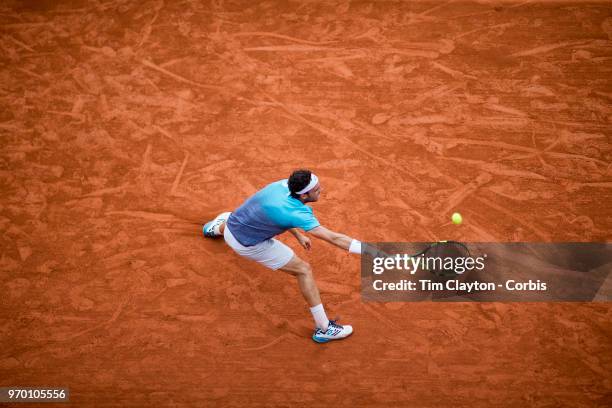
{"x":126,"y":124}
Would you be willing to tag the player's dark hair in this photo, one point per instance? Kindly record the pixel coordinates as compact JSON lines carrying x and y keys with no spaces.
{"x":298,"y":180}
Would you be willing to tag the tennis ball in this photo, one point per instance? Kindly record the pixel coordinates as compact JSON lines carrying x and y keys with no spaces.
{"x":456,"y":218}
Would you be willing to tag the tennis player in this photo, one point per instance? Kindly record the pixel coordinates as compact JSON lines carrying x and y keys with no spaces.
{"x":279,"y":207}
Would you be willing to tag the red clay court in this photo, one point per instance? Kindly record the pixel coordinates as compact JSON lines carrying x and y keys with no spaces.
{"x":127,"y":124}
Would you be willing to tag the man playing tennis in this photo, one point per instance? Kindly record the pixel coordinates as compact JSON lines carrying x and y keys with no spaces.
{"x":278,"y":207}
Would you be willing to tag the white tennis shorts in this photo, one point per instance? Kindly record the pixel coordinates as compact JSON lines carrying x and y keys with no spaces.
{"x":271,"y":253}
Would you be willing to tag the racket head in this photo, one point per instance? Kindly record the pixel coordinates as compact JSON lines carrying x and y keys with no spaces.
{"x":446,"y":259}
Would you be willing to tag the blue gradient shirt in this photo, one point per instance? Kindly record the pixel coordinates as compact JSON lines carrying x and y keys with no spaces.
{"x":269,"y":212}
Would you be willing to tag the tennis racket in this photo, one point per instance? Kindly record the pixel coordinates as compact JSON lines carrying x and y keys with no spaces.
{"x":442,"y":258}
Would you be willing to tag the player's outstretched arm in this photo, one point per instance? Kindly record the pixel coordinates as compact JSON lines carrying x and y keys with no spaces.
{"x":346,"y":242}
{"x":334,"y":238}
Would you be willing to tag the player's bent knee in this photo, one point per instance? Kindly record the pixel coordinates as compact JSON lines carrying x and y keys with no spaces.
{"x":305,"y":269}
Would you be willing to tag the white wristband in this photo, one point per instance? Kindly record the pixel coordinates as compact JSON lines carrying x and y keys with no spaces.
{"x":355,"y":247}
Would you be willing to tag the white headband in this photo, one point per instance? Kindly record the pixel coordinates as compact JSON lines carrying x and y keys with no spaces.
{"x":313,"y":182}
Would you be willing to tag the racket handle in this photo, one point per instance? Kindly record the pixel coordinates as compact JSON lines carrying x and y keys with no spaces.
{"x":374,"y":252}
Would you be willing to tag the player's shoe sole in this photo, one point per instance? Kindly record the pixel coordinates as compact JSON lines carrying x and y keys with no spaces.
{"x":334,"y":332}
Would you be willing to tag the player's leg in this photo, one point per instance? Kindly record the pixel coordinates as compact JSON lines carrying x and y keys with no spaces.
{"x":274,"y":254}
{"x":216,"y":227}
{"x":303,"y":272}
{"x":326,"y":329}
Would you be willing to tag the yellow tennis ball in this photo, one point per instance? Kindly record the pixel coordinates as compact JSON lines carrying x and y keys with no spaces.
{"x":456,"y":218}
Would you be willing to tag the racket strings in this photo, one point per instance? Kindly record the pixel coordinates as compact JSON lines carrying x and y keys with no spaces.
{"x":446,"y":259}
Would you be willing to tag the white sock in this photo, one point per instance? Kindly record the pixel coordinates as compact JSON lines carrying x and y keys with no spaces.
{"x":320,"y":318}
